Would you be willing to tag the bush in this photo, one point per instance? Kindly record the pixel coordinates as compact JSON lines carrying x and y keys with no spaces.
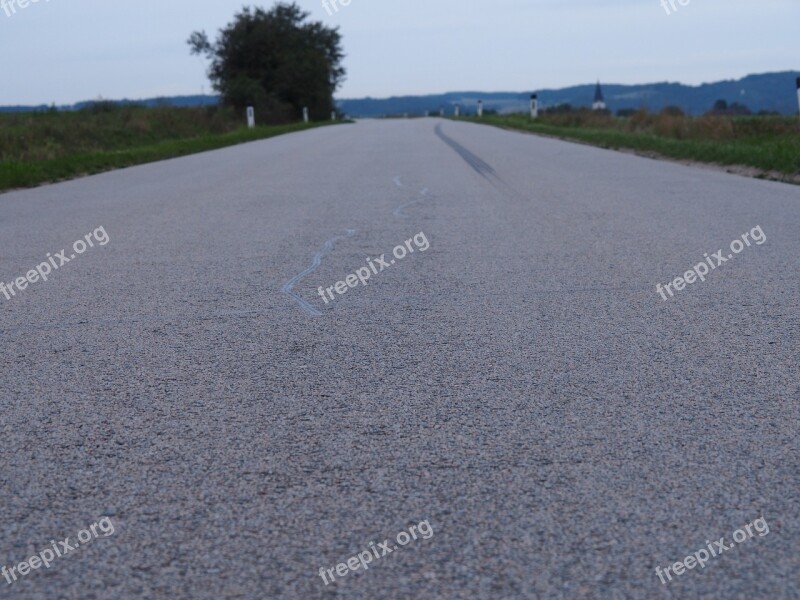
{"x":579,"y":118}
{"x":101,"y":106}
{"x":712,"y":127}
{"x":674,"y":126}
{"x":640,"y":121}
{"x":673,"y":111}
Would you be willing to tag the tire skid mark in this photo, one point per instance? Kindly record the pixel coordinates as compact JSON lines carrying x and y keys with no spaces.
{"x":481,"y":167}
{"x":326,"y":249}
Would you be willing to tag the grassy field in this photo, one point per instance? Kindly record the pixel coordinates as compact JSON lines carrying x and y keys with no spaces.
{"x":769,"y":144}
{"x":42,"y":147}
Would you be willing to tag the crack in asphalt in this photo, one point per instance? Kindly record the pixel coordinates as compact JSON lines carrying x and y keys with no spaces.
{"x":326,"y":249}
{"x":398,"y":212}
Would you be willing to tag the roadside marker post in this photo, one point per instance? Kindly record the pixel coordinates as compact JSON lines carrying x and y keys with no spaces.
{"x":798,"y":93}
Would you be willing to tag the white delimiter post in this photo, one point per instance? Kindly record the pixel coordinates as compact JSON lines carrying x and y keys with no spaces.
{"x":251,"y":117}
{"x":457,"y":109}
{"x":480,"y":108}
{"x":534,"y":106}
{"x":305,"y":114}
{"x":333,"y":115}
{"x":798,"y":91}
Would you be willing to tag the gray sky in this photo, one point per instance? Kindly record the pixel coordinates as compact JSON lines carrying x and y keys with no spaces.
{"x":68,"y":50}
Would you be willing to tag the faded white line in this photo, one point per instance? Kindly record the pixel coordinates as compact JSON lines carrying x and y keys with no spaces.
{"x":326,"y":249}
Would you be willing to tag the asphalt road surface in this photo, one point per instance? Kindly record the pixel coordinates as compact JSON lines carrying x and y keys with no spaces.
{"x":514,"y":387}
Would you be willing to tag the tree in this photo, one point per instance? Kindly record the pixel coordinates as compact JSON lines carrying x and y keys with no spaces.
{"x":276,"y":61}
{"x":721,"y":107}
{"x":739,"y":109}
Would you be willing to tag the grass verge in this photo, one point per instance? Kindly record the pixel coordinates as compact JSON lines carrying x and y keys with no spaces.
{"x":43,"y":148}
{"x":770,"y":146}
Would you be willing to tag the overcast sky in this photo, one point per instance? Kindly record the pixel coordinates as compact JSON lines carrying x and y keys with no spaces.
{"x":64,"y":51}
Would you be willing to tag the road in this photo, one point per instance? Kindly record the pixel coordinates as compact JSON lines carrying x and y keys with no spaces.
{"x":518,"y":390}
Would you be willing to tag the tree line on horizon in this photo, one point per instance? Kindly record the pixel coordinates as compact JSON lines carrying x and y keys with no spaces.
{"x":763,"y":93}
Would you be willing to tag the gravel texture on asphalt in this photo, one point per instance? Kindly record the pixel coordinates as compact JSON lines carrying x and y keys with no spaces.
{"x":520,"y":385}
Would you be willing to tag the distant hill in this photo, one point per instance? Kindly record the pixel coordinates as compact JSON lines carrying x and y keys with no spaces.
{"x":768,"y":91}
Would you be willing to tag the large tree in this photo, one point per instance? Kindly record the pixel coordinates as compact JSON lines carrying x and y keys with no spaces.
{"x":276,"y":61}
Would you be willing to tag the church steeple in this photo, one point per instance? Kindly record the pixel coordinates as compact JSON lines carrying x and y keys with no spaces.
{"x":599,"y":102}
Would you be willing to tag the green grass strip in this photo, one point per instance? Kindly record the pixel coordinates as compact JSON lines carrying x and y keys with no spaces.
{"x":15,"y":174}
{"x":768,"y":153}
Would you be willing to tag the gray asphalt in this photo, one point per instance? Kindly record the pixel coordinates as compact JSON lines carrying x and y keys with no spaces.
{"x":520,"y":385}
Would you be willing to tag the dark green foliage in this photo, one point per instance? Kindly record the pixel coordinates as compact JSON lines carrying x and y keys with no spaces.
{"x":559,"y":109}
{"x":275,"y":61}
{"x":721,"y":107}
{"x":673,"y":111}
